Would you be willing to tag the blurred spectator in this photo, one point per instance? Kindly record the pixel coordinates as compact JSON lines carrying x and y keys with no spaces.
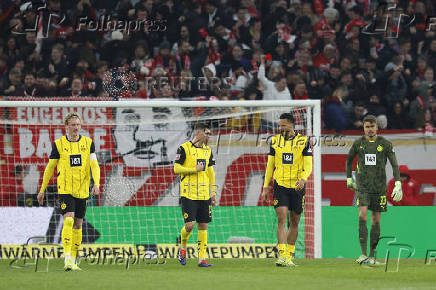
{"x":409,"y":186}
{"x":31,"y":88}
{"x":332,"y":79}
{"x":356,"y":121}
{"x":165,"y":59}
{"x":334,"y":114}
{"x":347,"y":90}
{"x":396,"y":86}
{"x":324,"y":46}
{"x":425,"y":84}
{"x":186,"y":89}
{"x":398,"y":119}
{"x":273,"y":90}
{"x":375,"y":107}
{"x":143,"y":63}
{"x":328,"y":24}
{"x":56,"y":67}
{"x":300,"y":92}
{"x":184,"y":55}
{"x":14,"y":84}
{"x":326,"y":58}
{"x":430,"y":53}
{"x":75,"y":89}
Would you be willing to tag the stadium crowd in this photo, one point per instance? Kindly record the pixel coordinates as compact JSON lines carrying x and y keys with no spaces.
{"x":357,"y":56}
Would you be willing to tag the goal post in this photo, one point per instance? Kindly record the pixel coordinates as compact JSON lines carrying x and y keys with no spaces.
{"x":136,"y":143}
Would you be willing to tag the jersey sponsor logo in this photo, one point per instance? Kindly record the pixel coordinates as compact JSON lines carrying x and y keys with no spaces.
{"x":75,"y":160}
{"x":379,"y":148}
{"x":288,"y":158}
{"x":370,"y":159}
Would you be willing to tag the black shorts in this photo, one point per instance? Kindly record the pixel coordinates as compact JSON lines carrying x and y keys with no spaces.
{"x":374,"y":202}
{"x":196,"y":210}
{"x":69,"y":203}
{"x":289,"y":197}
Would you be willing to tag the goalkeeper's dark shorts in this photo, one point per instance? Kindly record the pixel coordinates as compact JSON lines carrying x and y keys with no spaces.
{"x":374,"y":202}
{"x":289,"y":197}
{"x":69,"y":203}
{"x":196,"y":210}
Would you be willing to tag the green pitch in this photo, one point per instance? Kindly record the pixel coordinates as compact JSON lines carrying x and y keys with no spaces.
{"x":226,"y":274}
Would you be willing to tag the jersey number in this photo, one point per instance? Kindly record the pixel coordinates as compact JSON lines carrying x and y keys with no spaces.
{"x":370,"y":159}
{"x":287,"y":158}
{"x":75,"y":160}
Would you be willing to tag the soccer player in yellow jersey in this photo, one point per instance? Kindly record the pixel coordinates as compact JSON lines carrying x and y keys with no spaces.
{"x":74,"y":157}
{"x":290,"y":164}
{"x":194,"y":161}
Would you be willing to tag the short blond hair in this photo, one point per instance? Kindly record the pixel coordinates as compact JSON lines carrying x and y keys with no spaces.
{"x":71,"y":115}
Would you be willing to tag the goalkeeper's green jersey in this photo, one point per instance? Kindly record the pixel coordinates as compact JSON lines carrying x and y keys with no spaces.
{"x":371,"y":164}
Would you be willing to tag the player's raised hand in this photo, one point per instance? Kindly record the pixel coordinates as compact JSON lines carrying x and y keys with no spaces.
{"x":300,"y":184}
{"x":40,"y":198}
{"x":95,"y":190}
{"x":351,"y":184}
{"x":200,"y":166}
{"x":397,"y":192}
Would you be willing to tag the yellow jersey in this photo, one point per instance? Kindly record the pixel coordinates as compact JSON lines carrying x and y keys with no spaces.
{"x":289,"y":158}
{"x":195,"y":186}
{"x":73,"y":167}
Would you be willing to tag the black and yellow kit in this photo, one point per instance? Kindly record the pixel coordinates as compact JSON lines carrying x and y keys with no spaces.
{"x":74,"y":165}
{"x":288,"y":162}
{"x":74,"y":161}
{"x":195,"y":187}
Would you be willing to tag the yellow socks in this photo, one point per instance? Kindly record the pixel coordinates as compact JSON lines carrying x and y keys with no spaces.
{"x":184,"y":238}
{"x":282,"y":250}
{"x":77,"y":241}
{"x":290,"y":251}
{"x":202,"y":244}
{"x":67,"y":233}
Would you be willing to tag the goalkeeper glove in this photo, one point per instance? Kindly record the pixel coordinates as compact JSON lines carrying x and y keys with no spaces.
{"x":397,"y":193}
{"x":351,"y":184}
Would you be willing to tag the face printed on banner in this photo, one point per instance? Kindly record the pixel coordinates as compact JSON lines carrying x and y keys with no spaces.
{"x":149,"y":137}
